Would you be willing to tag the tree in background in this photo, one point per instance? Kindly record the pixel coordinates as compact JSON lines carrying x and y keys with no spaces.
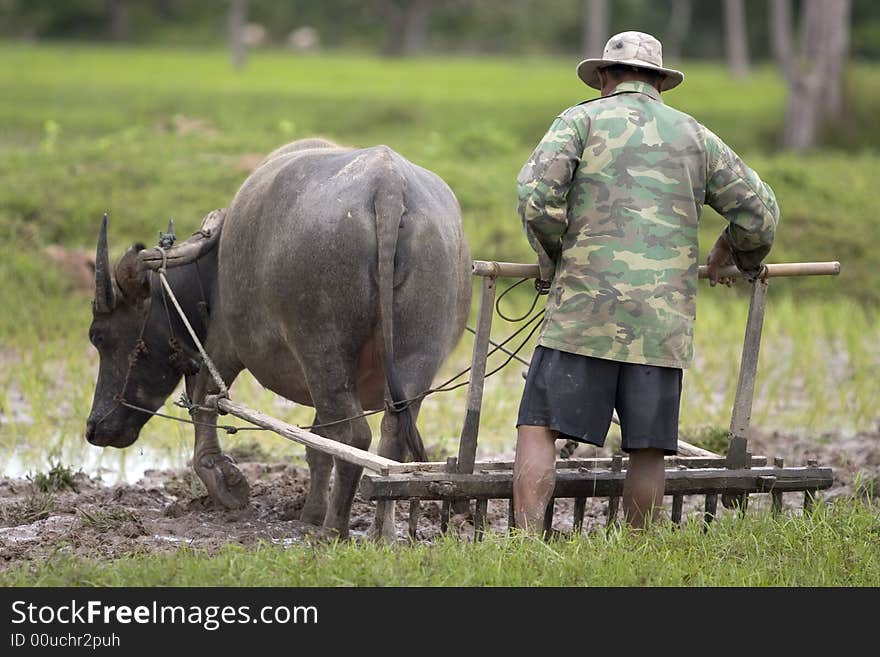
{"x":120,"y":23}
{"x":814,"y":74}
{"x":236,"y":20}
{"x":677,"y":29}
{"x":735,"y":38}
{"x":595,"y":21}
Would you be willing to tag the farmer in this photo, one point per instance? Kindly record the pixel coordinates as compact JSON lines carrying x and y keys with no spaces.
{"x":610,"y":201}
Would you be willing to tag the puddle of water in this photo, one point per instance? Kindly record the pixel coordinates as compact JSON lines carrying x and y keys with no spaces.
{"x":172,"y":539}
{"x":19,"y":534}
{"x":110,"y":465}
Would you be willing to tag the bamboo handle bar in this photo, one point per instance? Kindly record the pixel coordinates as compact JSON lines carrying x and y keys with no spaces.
{"x":523,"y":270}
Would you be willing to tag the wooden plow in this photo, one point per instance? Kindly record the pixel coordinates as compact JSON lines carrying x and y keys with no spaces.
{"x":461,"y":479}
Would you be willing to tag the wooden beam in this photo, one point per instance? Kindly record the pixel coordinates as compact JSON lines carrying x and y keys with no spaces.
{"x":602,"y":483}
{"x":737,"y":454}
{"x":345,"y":452}
{"x":714,"y":461}
{"x":685,"y":450}
{"x":467,"y":449}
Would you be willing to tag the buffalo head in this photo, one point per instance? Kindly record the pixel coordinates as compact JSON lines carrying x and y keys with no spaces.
{"x":131,"y":333}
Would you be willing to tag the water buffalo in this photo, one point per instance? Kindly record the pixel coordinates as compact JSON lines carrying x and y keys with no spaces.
{"x":340,"y":278}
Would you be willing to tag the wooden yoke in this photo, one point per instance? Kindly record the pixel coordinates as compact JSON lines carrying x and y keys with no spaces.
{"x":202,"y":241}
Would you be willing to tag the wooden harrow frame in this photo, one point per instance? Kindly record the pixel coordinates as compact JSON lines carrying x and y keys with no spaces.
{"x":461,"y":478}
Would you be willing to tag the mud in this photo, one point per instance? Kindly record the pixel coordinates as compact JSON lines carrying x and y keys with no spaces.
{"x":168,"y":509}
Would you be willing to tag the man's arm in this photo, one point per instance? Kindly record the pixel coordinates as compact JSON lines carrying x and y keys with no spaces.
{"x":543,"y":185}
{"x":737,"y":193}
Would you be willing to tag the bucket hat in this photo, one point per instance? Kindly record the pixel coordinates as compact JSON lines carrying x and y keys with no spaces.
{"x":633,"y":49}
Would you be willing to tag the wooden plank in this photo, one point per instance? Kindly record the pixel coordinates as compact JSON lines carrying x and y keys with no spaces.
{"x":480,"y":513}
{"x":580,"y":507}
{"x":677,"y":506}
{"x":328,"y":446}
{"x":569,"y":464}
{"x":521,"y":270}
{"x":467,"y":449}
{"x":574,"y":483}
{"x":415,"y":507}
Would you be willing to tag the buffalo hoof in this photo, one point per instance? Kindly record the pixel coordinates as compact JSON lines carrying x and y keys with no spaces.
{"x":313,"y":513}
{"x":338,"y":528}
{"x":226,"y":484}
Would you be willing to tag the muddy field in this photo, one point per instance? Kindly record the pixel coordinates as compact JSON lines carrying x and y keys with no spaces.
{"x":167,"y":509}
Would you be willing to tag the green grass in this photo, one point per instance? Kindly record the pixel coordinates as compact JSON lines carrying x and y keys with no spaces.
{"x":58,"y":478}
{"x":836,"y":545}
{"x":146,"y":134}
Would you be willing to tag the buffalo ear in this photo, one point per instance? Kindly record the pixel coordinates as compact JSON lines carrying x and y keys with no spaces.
{"x":132,"y":278}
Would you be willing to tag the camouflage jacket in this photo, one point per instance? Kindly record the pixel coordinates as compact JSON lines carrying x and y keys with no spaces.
{"x":610,"y":201}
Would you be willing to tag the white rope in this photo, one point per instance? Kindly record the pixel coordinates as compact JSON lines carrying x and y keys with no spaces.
{"x":224,"y":392}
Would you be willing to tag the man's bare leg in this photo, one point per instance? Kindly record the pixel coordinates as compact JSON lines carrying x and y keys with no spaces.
{"x":643,"y":487}
{"x":534,"y":475}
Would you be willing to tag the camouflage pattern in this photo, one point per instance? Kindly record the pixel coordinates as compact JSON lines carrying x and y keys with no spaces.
{"x":610,"y":201}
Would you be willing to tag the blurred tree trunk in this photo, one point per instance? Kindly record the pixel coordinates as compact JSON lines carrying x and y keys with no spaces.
{"x":594,"y":27}
{"x":780,"y":35}
{"x":236,"y":19}
{"x":120,"y":25}
{"x":815,"y":79}
{"x":406,"y":26}
{"x":735,"y":37}
{"x":677,"y":30}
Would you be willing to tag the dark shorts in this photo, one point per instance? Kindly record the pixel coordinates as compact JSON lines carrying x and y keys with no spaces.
{"x":576,"y":395}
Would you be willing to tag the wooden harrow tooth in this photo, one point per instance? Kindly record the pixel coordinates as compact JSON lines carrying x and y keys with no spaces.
{"x":511,"y":516}
{"x":810,"y":493}
{"x":548,"y":517}
{"x":580,"y":506}
{"x":677,"y":505}
{"x":776,"y":495}
{"x":414,"y":510}
{"x":614,"y":501}
{"x":480,"y":513}
{"x":711,"y":510}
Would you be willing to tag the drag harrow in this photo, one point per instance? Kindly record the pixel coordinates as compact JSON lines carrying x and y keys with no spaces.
{"x":461,"y":480}
{"x":695,"y":471}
